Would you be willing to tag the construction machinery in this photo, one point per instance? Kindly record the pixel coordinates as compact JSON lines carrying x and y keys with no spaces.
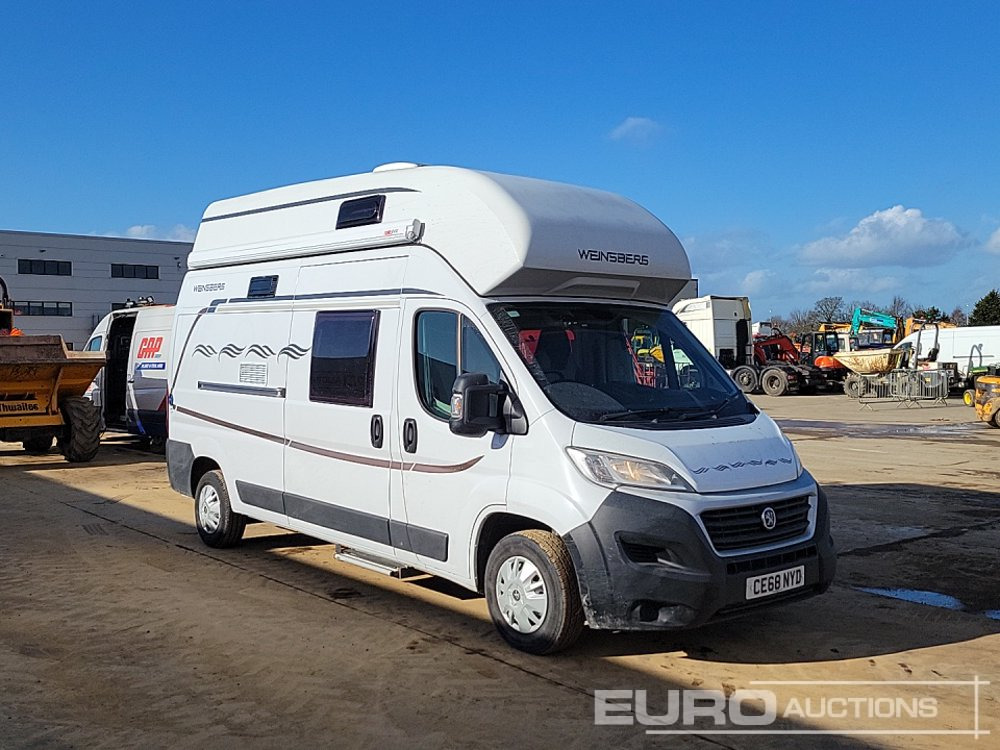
{"x":41,"y":391}
{"x":987,"y":399}
{"x":768,"y":361}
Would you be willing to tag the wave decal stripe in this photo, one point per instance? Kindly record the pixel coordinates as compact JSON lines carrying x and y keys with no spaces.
{"x":742,"y":464}
{"x":294,"y":351}
{"x":337,"y":455}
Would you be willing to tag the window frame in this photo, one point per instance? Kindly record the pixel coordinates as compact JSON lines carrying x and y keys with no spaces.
{"x":459,"y":318}
{"x":368,"y":399}
{"x":44,"y":266}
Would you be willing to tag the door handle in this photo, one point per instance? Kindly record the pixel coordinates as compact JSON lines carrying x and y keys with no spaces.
{"x":376,"y":431}
{"x":410,"y":436}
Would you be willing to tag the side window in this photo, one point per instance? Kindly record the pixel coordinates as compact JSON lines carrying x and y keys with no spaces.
{"x":343,"y":358}
{"x":442,"y":340}
{"x":436,"y":360}
{"x":476,"y":354}
{"x":94,"y":345}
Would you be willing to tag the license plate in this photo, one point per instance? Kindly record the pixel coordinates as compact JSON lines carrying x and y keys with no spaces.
{"x":775,"y":583}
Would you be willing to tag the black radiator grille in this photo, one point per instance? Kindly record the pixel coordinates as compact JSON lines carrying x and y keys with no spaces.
{"x":742,"y":528}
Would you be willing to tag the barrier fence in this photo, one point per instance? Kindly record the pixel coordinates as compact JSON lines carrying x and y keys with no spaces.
{"x":906,"y":387}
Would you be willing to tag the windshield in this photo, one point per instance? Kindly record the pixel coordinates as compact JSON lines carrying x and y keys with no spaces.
{"x":620,"y":364}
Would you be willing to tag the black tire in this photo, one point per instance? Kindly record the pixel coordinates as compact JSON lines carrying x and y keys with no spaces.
{"x":969,"y":397}
{"x":774,"y":382}
{"x":562,"y":621}
{"x":746,"y":378}
{"x":995,"y":422}
{"x":226,"y":530}
{"x":81,"y":436}
{"x":38,"y":445}
{"x":852,"y":386}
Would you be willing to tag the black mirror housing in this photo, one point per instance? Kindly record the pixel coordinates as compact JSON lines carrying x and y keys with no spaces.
{"x":477,"y":405}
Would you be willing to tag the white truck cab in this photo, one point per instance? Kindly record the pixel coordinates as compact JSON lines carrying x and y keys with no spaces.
{"x":433,"y":368}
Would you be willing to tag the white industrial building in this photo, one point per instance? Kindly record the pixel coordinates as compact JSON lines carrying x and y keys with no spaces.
{"x":65,"y":283}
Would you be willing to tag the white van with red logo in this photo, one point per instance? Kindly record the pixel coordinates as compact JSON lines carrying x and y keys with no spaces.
{"x":132,"y":388}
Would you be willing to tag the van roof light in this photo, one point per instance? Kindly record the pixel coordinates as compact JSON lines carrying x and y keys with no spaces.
{"x":392,"y":165}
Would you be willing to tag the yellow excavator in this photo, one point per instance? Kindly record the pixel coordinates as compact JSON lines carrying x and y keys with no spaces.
{"x":41,"y":391}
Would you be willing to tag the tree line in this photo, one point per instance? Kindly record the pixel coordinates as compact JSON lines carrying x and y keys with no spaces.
{"x":834,"y":309}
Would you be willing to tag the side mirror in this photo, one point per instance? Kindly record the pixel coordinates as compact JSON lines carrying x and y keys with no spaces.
{"x":478,"y":406}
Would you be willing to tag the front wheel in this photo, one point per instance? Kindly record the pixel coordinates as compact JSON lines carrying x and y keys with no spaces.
{"x":969,"y":397}
{"x":81,"y":438}
{"x":532,"y":593}
{"x":218,"y":526}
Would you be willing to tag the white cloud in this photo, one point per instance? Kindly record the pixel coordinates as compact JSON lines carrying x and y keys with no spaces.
{"x":179,"y":232}
{"x":895,"y":236}
{"x":635,"y":130}
{"x":756,"y":282}
{"x":993,"y":243}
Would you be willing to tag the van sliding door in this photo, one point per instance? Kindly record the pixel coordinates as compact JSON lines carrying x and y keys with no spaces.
{"x":338,"y":407}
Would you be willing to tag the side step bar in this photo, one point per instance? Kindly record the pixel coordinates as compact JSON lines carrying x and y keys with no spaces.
{"x":373,"y":563}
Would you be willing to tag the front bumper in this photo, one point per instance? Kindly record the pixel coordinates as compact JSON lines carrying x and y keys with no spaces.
{"x":648,"y":565}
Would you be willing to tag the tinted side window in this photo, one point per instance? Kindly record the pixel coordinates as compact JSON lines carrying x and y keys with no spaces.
{"x":343,"y":358}
{"x":439,"y":336}
{"x":436,"y":360}
{"x":94,"y":345}
{"x":476,"y":354}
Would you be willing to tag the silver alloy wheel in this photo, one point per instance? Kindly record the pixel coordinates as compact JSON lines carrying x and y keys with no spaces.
{"x":209,"y":508}
{"x":521,"y":594}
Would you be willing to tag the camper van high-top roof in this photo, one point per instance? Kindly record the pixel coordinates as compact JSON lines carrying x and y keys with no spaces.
{"x":504,"y":235}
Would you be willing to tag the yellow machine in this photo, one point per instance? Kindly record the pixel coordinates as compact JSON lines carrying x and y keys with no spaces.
{"x":988,"y":399}
{"x":41,"y":391}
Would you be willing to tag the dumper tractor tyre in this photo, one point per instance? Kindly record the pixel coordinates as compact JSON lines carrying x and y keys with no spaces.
{"x":81,"y":436}
{"x":853,"y":386}
{"x":969,"y":397}
{"x":774,"y":382}
{"x":532,"y":592}
{"x":218,"y":526}
{"x":746,"y":378}
{"x":38,"y":445}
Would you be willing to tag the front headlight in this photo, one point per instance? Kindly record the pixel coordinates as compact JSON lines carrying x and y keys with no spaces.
{"x":613,"y":470}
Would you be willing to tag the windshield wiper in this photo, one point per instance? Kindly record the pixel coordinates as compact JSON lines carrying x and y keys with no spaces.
{"x":635,"y":414}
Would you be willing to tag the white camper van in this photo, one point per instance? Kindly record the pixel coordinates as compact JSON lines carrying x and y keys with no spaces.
{"x":432,"y":368}
{"x":132,"y":388}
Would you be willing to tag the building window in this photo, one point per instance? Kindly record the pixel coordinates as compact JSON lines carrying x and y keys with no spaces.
{"x":43,"y":309}
{"x":45,"y":267}
{"x":133,"y":271}
{"x":118,"y":306}
{"x":343,"y":358}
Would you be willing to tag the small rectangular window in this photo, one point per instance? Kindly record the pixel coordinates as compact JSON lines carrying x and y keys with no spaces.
{"x":38,"y":267}
{"x":116,"y":271}
{"x":24,"y":266}
{"x":361,"y":212}
{"x":43,"y":309}
{"x":152,"y":272}
{"x":342,"y":370}
{"x":262,"y":286}
{"x":139,"y":271}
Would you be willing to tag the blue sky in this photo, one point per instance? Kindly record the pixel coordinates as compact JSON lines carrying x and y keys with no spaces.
{"x":797,"y":149}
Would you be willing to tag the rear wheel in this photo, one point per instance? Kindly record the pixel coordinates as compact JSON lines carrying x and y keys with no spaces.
{"x":38,"y":445}
{"x":81,"y":436}
{"x":746,"y":378}
{"x":218,"y":526}
{"x":774,"y":382}
{"x":532,"y":593}
{"x":969,"y":397}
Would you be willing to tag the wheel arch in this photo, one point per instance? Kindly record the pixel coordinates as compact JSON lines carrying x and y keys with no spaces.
{"x":492,"y":529}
